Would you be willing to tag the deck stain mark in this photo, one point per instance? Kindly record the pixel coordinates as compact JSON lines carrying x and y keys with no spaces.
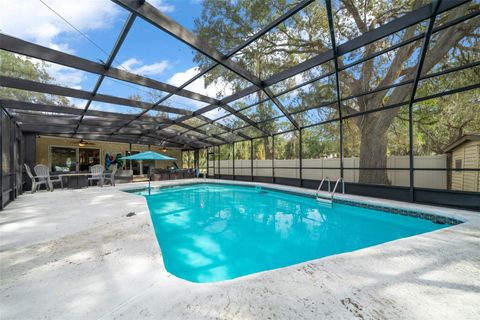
{"x":353,"y":306}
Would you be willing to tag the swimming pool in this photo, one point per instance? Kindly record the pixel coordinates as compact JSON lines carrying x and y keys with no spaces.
{"x":214,"y":232}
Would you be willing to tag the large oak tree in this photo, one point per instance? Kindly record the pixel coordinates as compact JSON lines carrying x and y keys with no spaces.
{"x":226,"y":24}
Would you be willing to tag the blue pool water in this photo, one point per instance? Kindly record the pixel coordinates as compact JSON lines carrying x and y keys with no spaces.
{"x":211,"y":232}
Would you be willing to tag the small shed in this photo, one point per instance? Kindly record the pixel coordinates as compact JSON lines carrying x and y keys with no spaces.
{"x":465,"y":154}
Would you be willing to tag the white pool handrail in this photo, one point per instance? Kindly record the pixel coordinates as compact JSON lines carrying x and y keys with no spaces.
{"x":335,"y":188}
{"x":321,"y":183}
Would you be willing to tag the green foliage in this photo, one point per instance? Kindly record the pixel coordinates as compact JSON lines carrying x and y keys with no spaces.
{"x":16,"y":66}
{"x":226,"y":24}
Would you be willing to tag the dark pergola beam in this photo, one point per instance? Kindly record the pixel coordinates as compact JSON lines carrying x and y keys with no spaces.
{"x":31,"y":106}
{"x":331,"y":29}
{"x":36,"y":118}
{"x":21,"y":105}
{"x":250,"y":40}
{"x":165,"y":23}
{"x":221,"y":126}
{"x":60,"y":122}
{"x":369,"y":37}
{"x":32,"y":127}
{"x":122,"y":139}
{"x":279,"y":105}
{"x":418,"y":74}
{"x":29,"y":85}
{"x":186,"y":126}
{"x":128,"y":24}
{"x":396,"y":25}
{"x":29,"y":49}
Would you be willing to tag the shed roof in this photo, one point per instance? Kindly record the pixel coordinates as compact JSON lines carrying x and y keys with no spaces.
{"x":461,"y":140}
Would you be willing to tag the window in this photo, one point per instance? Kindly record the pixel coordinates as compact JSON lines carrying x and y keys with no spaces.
{"x":88,"y":158}
{"x":188,"y":159}
{"x":458,"y":164}
{"x":63,"y":159}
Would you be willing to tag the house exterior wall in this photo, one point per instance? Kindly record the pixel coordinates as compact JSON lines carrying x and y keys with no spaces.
{"x":43,"y":144}
{"x":469,"y":154}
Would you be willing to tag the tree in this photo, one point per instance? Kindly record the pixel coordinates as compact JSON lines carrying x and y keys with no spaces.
{"x":16,"y":66}
{"x":226,"y":23}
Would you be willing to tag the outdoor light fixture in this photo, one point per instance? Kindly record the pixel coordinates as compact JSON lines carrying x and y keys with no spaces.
{"x":82,"y":143}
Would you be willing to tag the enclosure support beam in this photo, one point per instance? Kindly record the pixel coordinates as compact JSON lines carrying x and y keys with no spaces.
{"x":418,"y":74}
{"x":300,"y":157}
{"x":250,"y":40}
{"x":251,"y":159}
{"x":219,"y":164}
{"x":337,"y":81}
{"x":273,"y":159}
{"x":23,"y":84}
{"x":396,"y":25}
{"x":233,"y":160}
{"x":13,"y":172}
{"x":208,"y":162}
{"x":29,"y":49}
{"x":165,"y":23}
{"x":108,"y":64}
{"x":279,"y":105}
{"x":1,"y":158}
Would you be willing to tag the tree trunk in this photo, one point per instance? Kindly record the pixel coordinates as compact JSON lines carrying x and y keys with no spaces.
{"x":373,"y":152}
{"x":266,"y":146}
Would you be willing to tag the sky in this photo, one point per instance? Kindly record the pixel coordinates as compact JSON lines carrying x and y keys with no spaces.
{"x":146,"y":51}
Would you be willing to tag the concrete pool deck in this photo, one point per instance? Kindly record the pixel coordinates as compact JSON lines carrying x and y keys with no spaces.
{"x":74,"y":254}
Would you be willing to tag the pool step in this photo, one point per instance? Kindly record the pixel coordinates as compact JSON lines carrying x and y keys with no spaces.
{"x":332,"y":194}
{"x":323,"y":201}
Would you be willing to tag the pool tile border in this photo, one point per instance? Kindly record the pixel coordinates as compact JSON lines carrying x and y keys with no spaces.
{"x":440,"y":219}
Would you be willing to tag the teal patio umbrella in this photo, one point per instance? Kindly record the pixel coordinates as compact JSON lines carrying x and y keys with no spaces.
{"x":149,"y":155}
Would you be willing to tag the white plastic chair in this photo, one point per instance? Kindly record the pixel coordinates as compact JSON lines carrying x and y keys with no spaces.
{"x":110,"y":176}
{"x":97,"y":174}
{"x":43,"y":174}
{"x":35,"y":184}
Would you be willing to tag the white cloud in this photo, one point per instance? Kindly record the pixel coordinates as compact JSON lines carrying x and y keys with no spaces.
{"x":180,"y":78}
{"x":66,"y":76}
{"x":61,"y":75}
{"x":136,"y":66}
{"x":213,"y":90}
{"x":215,"y":113}
{"x":32,"y":20}
{"x":162,"y":5}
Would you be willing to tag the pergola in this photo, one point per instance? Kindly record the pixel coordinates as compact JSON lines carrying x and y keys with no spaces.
{"x":178,"y":132}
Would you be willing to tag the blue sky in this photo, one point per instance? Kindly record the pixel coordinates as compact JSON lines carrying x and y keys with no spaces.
{"x":147,"y":50}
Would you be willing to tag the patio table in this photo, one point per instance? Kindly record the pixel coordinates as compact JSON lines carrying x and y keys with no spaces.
{"x":76,"y":180}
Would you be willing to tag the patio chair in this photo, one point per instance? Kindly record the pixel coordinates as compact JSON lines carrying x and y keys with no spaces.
{"x":110,"y":176}
{"x":36,"y":181}
{"x":97,"y":174}
{"x":43,"y":173}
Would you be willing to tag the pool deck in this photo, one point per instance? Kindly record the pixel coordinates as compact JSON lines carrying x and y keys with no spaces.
{"x":74,"y":254}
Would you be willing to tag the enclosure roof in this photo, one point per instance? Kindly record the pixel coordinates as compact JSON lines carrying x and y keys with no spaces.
{"x":186,"y":110}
